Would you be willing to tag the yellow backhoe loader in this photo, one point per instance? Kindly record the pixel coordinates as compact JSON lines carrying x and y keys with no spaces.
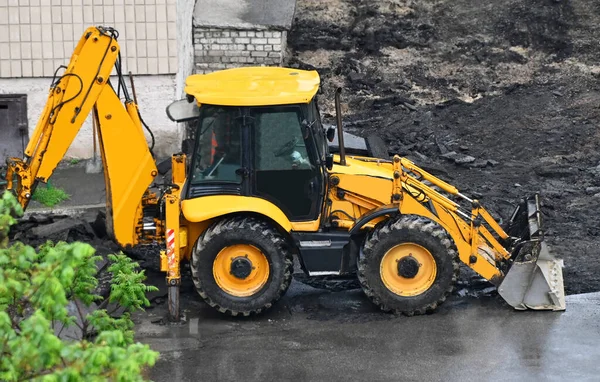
{"x":261,"y":187}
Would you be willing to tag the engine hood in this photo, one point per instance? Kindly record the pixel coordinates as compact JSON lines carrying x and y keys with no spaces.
{"x":356,"y":165}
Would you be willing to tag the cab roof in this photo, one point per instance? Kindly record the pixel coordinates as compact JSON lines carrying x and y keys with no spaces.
{"x":254,"y":86}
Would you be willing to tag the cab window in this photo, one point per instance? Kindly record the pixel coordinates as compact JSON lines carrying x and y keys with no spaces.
{"x":279,"y":140}
{"x":218,"y":153}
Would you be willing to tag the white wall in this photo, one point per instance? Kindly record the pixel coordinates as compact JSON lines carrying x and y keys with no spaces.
{"x":223,"y":48}
{"x":36,"y":36}
{"x":154,"y":94}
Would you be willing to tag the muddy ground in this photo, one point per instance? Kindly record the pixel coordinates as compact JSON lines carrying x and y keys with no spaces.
{"x":315,"y":335}
{"x":514,"y":84}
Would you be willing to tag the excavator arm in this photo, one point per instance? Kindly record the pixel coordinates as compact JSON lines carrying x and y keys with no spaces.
{"x":129,"y":167}
{"x":84,"y":87}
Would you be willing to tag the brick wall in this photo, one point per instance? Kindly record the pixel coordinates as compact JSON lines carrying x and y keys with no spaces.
{"x":216,"y":49}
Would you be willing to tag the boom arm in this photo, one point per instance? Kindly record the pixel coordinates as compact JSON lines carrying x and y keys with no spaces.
{"x":516,"y":260}
{"x":129,"y":168}
{"x":467,"y":230}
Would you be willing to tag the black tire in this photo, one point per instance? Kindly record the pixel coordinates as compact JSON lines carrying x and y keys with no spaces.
{"x":408,"y":229}
{"x":242,"y":230}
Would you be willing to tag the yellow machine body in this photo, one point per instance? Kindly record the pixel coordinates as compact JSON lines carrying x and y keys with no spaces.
{"x":358,"y":195}
{"x":253,"y":87}
{"x":81,"y":89}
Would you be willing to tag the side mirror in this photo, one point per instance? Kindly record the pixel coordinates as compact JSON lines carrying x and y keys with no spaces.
{"x":331,"y":134}
{"x":183,"y":110}
{"x":329,"y":161}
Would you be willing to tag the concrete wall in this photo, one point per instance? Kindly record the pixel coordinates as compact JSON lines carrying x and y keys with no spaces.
{"x":222,"y":48}
{"x":154,"y":94}
{"x":185,"y":44}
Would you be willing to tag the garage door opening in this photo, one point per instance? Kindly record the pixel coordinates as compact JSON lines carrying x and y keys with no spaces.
{"x":14,"y":132}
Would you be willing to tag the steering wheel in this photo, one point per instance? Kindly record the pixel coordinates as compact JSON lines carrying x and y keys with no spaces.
{"x":286,"y":148}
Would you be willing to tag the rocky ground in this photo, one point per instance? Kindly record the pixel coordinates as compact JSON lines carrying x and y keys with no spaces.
{"x":510,"y":86}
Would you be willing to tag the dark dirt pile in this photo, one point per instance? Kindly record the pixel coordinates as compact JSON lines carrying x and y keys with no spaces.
{"x":38,"y":229}
{"x":511,"y":86}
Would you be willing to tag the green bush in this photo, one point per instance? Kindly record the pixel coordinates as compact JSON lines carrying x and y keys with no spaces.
{"x":36,"y":290}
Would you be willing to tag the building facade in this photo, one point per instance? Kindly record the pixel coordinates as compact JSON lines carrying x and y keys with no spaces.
{"x":162,"y":42}
{"x":37,"y":36}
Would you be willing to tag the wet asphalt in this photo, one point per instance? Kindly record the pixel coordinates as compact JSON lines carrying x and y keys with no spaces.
{"x":316,"y":335}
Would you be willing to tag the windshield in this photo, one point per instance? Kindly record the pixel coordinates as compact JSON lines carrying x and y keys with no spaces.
{"x":281,"y":140}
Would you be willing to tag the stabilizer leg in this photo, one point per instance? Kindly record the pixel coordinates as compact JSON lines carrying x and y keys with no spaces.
{"x":174,"y":312}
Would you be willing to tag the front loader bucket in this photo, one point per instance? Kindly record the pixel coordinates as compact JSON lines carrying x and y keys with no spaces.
{"x":534,"y":280}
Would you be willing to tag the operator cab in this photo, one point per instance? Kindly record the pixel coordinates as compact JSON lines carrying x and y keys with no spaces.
{"x":263,"y":139}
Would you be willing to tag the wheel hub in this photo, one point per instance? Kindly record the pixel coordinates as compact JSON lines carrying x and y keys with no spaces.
{"x":241,"y":267}
{"x":241,"y":270}
{"x":408,"y":267}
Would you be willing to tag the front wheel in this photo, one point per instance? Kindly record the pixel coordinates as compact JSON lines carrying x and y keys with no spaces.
{"x":408,"y":266}
{"x":241,"y":266}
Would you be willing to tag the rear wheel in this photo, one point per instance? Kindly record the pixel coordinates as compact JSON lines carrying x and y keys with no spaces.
{"x":241,"y":266}
{"x":408,"y":266}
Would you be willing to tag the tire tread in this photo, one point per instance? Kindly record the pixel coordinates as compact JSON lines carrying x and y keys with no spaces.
{"x":256,"y":226}
{"x":412,"y":222}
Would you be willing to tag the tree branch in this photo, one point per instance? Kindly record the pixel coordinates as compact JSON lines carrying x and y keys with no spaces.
{"x":117,"y":306}
{"x":28,"y":298}
{"x":83,"y":320}
{"x":104,"y":303}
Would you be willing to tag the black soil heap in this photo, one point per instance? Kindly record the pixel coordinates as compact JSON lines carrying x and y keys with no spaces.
{"x":499,"y":98}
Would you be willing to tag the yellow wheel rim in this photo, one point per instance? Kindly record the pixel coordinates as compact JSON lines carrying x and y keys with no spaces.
{"x":241,"y":270}
{"x":408,"y":269}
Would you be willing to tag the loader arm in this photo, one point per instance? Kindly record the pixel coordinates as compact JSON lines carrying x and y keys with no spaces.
{"x":519,"y":264}
{"x":84,"y":87}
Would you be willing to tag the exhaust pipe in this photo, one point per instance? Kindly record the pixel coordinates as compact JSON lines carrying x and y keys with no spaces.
{"x":340,"y":132}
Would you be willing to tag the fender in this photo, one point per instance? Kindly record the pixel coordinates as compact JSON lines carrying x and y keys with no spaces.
{"x":389,"y":209}
{"x":208,"y":207}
